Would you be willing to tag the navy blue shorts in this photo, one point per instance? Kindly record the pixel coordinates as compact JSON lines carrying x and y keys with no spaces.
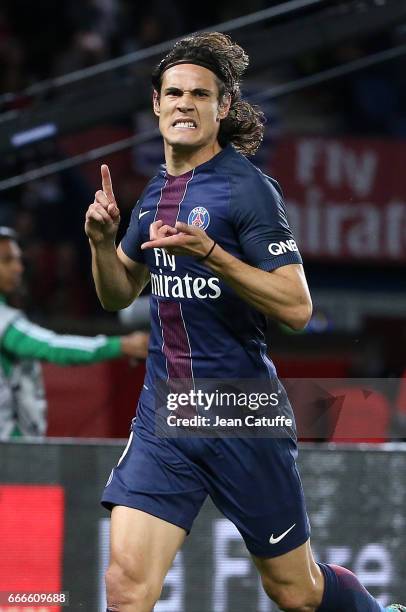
{"x":253,"y":482}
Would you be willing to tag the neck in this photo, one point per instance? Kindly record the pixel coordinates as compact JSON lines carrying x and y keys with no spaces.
{"x":178,"y":161}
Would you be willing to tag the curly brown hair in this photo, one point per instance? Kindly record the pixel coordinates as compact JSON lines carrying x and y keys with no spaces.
{"x":244,"y":125}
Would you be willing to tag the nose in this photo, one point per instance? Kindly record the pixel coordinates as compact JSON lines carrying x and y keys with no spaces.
{"x":185,"y":103}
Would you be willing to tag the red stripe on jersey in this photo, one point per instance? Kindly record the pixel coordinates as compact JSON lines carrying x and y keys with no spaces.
{"x":173,"y":193}
{"x":175,"y":346}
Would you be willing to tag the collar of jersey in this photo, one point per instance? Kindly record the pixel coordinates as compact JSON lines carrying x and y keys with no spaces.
{"x":216,"y":158}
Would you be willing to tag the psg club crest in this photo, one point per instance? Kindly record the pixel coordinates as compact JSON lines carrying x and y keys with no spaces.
{"x":199,"y":217}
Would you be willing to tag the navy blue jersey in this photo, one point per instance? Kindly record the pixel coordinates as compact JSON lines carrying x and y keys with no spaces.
{"x":200,"y":328}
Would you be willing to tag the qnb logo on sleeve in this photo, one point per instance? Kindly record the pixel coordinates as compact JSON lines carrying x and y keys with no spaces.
{"x":279,"y":248}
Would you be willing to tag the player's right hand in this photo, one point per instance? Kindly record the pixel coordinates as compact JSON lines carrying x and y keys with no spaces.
{"x":103,"y":215}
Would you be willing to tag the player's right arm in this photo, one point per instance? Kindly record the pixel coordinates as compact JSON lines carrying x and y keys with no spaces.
{"x":118,"y":279}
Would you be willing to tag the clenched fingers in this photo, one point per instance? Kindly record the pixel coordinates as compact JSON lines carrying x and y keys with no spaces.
{"x":97,"y":212}
{"x":111,"y":207}
{"x":101,"y":198}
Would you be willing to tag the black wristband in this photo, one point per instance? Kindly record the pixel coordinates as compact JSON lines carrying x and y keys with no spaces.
{"x":209,"y":253}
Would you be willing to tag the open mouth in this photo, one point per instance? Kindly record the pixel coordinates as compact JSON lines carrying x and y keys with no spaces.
{"x":184,"y":124}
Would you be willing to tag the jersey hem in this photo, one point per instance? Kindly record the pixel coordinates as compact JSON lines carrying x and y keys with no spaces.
{"x":272,"y":264}
{"x":145,"y":507}
{"x":278,"y":550}
{"x":139,"y":261}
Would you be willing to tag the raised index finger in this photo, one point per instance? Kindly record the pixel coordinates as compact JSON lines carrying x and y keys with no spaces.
{"x":106,"y":183}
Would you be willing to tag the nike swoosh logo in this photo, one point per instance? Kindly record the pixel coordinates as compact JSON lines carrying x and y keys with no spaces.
{"x":273,"y":540}
{"x":143,"y":213}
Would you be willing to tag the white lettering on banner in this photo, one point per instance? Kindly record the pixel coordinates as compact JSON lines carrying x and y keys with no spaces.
{"x":336,"y":217}
{"x":340,"y":164}
{"x":345,"y":198}
{"x":340,"y":229}
{"x":345,"y":167}
{"x":308,"y":153}
{"x":333,"y":170}
{"x":226,"y":567}
{"x":373,"y":567}
{"x":361,"y":173}
{"x":363,"y":237}
{"x":338,"y":555}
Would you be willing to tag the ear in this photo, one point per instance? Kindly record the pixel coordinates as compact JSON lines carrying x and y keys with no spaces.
{"x":155,"y":102}
{"x":224,"y":107}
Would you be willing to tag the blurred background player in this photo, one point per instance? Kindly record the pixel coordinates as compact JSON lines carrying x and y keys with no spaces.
{"x":23,"y":405}
{"x":160,"y":484}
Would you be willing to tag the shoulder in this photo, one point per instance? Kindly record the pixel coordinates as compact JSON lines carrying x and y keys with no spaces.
{"x":255,"y":197}
{"x":247,"y":179}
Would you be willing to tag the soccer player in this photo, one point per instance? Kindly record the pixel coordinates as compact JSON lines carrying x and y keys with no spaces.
{"x":210,"y":232}
{"x":23,"y":406}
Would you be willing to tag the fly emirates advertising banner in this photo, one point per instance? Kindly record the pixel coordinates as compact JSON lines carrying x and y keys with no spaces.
{"x":346,"y":198}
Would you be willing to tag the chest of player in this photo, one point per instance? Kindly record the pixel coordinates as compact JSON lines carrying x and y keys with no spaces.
{"x":202,"y":203}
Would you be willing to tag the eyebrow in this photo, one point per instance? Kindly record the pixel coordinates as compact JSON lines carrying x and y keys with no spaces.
{"x":193,"y":91}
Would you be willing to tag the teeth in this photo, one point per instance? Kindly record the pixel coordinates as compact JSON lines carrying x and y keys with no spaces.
{"x":184,"y":124}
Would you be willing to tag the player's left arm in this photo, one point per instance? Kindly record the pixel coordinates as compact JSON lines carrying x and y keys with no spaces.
{"x":270,"y":276}
{"x":281,"y":294}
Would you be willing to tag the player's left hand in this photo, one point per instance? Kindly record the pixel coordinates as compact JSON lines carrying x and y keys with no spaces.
{"x":188,"y":240}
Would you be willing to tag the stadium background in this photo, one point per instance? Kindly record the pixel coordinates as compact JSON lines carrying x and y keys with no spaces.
{"x":74,"y":91}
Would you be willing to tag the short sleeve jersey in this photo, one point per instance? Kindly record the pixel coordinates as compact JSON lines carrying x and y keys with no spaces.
{"x":200,"y":327}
